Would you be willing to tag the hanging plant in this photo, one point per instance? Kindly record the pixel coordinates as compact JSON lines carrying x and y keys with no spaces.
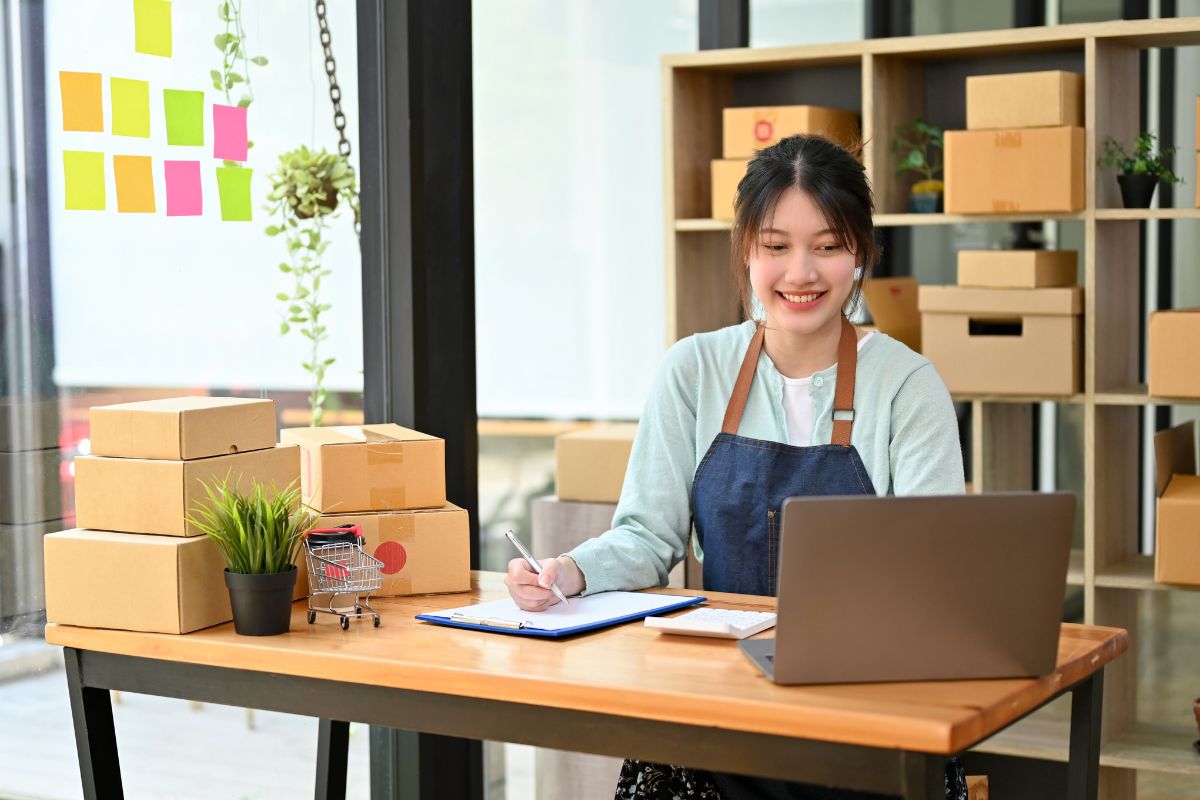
{"x":232,"y":44}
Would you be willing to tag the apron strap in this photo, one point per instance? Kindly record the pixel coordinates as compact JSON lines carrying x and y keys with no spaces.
{"x":843,"y":395}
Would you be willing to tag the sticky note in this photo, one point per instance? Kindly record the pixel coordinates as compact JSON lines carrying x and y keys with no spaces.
{"x":233,"y":185}
{"x":185,"y":116}
{"x":184,"y":196}
{"x":84,"y":173}
{"x":82,"y":101}
{"x":135,"y":184}
{"x":229,"y":133}
{"x":152,"y":27}
{"x":130,"y":107}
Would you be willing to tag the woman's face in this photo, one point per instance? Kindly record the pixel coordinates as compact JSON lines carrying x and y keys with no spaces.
{"x":799,"y":271}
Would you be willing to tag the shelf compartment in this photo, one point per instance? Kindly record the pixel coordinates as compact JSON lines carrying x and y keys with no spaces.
{"x":1137,"y":573}
{"x":1139,"y":396}
{"x":1118,"y":214}
{"x":1065,"y":399}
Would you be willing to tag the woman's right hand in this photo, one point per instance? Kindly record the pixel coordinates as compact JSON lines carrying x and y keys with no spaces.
{"x":531,"y":592}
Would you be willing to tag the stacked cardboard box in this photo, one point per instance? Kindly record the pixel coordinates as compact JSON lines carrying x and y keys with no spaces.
{"x":892,"y":303}
{"x":1173,"y":355}
{"x":390,"y":481}
{"x":1012,"y":308}
{"x":1023,"y":150}
{"x":1177,"y":546}
{"x":745,"y":131}
{"x":136,"y":562}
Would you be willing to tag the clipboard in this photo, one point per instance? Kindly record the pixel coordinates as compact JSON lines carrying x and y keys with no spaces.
{"x":580,"y":615}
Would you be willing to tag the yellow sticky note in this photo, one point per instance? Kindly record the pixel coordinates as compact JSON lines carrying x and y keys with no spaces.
{"x":130,"y":107}
{"x":84,"y":174}
{"x":152,"y":27}
{"x":135,"y":184}
{"x":82,"y":103}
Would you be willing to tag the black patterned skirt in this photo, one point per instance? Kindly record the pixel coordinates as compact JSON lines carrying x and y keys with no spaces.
{"x":643,"y":780}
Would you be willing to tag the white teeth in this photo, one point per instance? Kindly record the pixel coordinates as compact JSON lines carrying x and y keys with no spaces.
{"x":800,"y":298}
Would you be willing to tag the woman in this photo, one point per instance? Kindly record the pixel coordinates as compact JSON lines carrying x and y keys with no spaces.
{"x":728,"y":434}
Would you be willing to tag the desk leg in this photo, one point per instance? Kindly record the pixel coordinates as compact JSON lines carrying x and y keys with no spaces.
{"x":333,"y":745}
{"x":924,"y":776}
{"x":95,"y":734}
{"x":1083,"y":770}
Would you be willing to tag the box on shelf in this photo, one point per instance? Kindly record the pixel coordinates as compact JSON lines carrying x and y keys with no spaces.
{"x":1173,"y":353}
{"x":34,"y":424}
{"x":1004,"y":341}
{"x":139,"y":495}
{"x":1017,"y":269}
{"x":354,"y":468}
{"x":748,"y":130}
{"x":893,"y":306}
{"x":1177,"y":548}
{"x":1025,"y":100}
{"x":726,"y":174}
{"x":183,"y":428}
{"x":426,"y":551}
{"x":22,"y":576}
{"x":30,"y":486}
{"x":1014,"y":171}
{"x":590,"y":464}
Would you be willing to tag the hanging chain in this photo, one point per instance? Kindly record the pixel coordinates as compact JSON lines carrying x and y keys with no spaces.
{"x":335,"y":97}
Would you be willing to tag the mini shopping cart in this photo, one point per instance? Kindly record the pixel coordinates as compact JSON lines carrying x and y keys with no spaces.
{"x":339,"y":567}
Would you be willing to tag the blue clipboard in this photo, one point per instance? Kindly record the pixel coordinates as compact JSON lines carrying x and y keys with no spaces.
{"x":520,"y":629}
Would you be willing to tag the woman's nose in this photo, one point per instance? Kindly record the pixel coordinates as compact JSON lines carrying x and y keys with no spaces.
{"x":802,"y":269}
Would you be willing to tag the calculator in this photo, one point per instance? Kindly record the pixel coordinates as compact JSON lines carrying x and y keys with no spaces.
{"x":720,"y":623}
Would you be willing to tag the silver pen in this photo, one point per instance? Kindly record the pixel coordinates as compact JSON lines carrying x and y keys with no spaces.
{"x":533,"y":564}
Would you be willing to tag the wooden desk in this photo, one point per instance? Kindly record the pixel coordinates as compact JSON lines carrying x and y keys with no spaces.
{"x":625,"y":691}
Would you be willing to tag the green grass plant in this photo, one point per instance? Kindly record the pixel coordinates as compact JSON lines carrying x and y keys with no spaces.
{"x":257,"y":533}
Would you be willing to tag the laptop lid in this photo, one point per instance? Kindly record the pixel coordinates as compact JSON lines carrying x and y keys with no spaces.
{"x":921,"y":588}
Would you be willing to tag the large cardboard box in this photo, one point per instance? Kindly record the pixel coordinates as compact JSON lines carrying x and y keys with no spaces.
{"x":427,"y":551}
{"x":726,"y":174}
{"x":28,"y":424}
{"x":138,"y":495}
{"x":22,"y":576}
{"x":183,"y":428}
{"x":893,"y":306}
{"x":1004,"y":341}
{"x":369,"y":468}
{"x":590,"y":464}
{"x":748,"y":130}
{"x":1174,"y":353}
{"x":1017,"y":269}
{"x":1025,"y":100}
{"x":1177,"y":550}
{"x":30,"y":486}
{"x":1014,"y":171}
{"x":136,"y":582}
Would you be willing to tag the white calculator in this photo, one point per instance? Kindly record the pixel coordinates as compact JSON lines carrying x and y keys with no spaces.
{"x":720,"y":623}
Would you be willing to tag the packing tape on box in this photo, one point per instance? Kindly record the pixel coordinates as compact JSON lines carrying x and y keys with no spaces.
{"x":387,"y":497}
{"x":393,"y":454}
{"x":1005,"y":206}
{"x":1009,"y":139}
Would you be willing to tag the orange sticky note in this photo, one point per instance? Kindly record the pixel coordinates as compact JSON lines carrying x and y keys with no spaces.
{"x":82,"y":101}
{"x":135,"y":184}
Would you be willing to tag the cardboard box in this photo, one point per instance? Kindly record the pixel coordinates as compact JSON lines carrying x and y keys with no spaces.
{"x":423,"y":552}
{"x":748,"y":130}
{"x":726,"y":174}
{"x":138,"y":495}
{"x":369,"y":468}
{"x":30,"y":486}
{"x":1017,"y":269}
{"x":1025,"y":100}
{"x":1174,"y":354}
{"x":183,"y":428}
{"x":135,"y":582}
{"x":30,"y":424}
{"x":590,"y":464}
{"x":1004,"y":341}
{"x":1014,"y":171}
{"x":22,"y":581}
{"x":977,"y":787}
{"x":1177,"y":551}
{"x":893,"y":306}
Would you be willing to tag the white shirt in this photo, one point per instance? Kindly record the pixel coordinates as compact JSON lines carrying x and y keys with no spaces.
{"x":798,"y":407}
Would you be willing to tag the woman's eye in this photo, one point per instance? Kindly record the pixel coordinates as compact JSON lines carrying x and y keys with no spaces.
{"x":775,"y":248}
{"x":829,"y":248}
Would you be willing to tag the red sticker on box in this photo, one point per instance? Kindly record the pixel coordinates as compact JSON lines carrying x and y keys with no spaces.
{"x":764,"y":130}
{"x":393,"y":555}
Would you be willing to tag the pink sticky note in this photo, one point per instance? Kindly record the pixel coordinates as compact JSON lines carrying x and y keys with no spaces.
{"x":184,"y":197}
{"x":229,"y":133}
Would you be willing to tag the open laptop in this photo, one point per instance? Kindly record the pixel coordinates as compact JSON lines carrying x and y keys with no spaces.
{"x":876,"y":589}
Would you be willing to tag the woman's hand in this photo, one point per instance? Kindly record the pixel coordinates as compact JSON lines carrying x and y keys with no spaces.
{"x":531,"y":592}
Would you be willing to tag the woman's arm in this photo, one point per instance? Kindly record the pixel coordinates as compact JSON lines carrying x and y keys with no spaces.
{"x":926,"y":457}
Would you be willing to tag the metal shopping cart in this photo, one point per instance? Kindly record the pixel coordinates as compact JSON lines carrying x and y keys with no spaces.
{"x":338,"y":566}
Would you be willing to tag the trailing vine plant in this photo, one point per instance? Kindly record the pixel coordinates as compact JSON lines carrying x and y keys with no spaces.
{"x":232,"y":44}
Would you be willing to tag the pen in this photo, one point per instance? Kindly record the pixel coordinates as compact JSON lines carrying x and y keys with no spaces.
{"x":534,"y":565}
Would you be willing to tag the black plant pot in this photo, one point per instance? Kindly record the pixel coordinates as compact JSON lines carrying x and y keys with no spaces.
{"x":1137,"y":190}
{"x":262,"y":604}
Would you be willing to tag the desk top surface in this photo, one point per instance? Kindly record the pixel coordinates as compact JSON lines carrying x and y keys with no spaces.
{"x":627,"y":670}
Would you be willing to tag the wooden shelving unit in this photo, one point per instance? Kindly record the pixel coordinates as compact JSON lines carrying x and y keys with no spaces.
{"x":889,"y":81}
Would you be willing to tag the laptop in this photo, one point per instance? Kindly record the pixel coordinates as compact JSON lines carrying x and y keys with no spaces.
{"x":875,"y":589}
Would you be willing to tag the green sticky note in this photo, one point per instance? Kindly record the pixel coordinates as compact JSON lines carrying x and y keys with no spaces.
{"x":185,"y":116}
{"x":233,"y":185}
{"x":84,"y":173}
{"x":152,"y":27}
{"x":130,"y":107}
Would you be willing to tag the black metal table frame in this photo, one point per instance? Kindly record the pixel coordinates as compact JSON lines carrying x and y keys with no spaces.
{"x":92,"y":674}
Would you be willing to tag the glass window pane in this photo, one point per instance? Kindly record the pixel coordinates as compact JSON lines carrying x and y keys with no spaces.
{"x":775,"y":23}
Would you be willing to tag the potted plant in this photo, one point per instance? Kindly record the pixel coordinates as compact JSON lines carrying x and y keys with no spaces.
{"x":1141,"y":171}
{"x":258,"y":534}
{"x":918,"y":150}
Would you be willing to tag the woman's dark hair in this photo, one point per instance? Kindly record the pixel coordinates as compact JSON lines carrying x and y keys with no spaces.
{"x":836,"y":181}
